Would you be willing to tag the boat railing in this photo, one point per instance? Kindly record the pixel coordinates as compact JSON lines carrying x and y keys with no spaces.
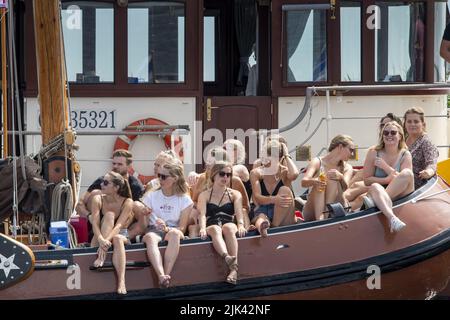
{"x":339,"y":90}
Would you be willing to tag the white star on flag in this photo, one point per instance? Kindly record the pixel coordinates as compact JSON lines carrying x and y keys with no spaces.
{"x":7,"y":264}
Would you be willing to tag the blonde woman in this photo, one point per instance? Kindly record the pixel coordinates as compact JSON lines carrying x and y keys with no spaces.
{"x":219,"y":206}
{"x":424,"y":153}
{"x":336,"y":176}
{"x":169,"y":209}
{"x":388,"y":172}
{"x":139,"y":209}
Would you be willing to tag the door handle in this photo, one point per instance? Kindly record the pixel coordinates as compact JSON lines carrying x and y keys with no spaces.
{"x":208,"y":110}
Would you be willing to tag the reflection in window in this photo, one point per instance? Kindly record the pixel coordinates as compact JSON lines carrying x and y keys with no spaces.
{"x":350,"y":41}
{"x":156,"y":48}
{"x":209,"y":45}
{"x":399,"y":50}
{"x":306,"y":45}
{"x":439,"y":27}
{"x":88,"y":29}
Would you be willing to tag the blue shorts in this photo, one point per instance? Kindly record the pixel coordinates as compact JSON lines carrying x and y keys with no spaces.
{"x":266,"y":209}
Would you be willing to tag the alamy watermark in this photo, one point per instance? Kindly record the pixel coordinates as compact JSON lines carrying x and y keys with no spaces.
{"x":374,"y":280}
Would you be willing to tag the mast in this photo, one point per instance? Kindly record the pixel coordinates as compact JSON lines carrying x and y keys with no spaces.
{"x":53,"y":100}
{"x":57,"y":151}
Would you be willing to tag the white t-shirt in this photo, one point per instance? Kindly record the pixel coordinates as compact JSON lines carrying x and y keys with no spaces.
{"x":167,"y":208}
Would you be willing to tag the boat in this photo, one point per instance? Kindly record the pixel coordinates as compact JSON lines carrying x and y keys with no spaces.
{"x":353,"y":256}
{"x":331,"y":259}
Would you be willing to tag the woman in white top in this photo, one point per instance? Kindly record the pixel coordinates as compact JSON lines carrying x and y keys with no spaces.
{"x":170,"y":207}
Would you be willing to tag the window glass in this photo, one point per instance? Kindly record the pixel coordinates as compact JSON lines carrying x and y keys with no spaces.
{"x":400,"y":42}
{"x":209,"y":53}
{"x":306,"y":45}
{"x":350,"y":15}
{"x":156,"y":42}
{"x":88,"y":29}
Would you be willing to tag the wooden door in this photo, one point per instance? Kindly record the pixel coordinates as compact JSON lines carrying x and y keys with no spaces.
{"x":227,"y":114}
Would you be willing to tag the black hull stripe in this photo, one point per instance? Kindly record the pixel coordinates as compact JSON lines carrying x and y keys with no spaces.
{"x":296,"y":281}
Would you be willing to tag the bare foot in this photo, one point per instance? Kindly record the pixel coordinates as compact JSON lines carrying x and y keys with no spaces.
{"x":263,"y":228}
{"x":101,"y":255}
{"x":121,"y":289}
{"x":164,"y":281}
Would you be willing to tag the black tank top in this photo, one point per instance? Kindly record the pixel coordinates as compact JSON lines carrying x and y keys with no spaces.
{"x":212,"y":209}
{"x":264,"y":191}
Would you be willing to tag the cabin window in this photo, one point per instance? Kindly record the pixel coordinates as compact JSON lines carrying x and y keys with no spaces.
{"x":156,"y":42}
{"x":439,"y":27}
{"x":306,"y":40}
{"x":399,"y":50}
{"x":209,"y":49}
{"x":350,"y":13}
{"x":88,"y":29}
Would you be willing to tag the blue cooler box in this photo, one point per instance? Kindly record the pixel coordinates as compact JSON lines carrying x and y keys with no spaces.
{"x":59,"y":234}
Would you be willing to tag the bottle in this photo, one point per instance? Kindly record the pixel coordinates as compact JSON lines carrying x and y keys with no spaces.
{"x":323,"y":178}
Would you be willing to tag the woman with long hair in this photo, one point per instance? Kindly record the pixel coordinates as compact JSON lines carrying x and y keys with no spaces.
{"x":272,"y":189}
{"x":215,"y":155}
{"x":388,"y":172}
{"x":424,"y":153}
{"x":219,"y":206}
{"x":169,"y":209}
{"x":110,"y":212}
{"x":328,"y":177}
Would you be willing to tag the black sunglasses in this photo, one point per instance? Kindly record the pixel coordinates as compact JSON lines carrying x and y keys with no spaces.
{"x":223,"y":174}
{"x":105,"y":182}
{"x":162,"y":176}
{"x":387,"y":132}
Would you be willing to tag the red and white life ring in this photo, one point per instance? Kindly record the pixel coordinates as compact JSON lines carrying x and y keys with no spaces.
{"x":124,"y":141}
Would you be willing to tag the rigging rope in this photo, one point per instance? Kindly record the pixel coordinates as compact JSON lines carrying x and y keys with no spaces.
{"x":62,"y":192}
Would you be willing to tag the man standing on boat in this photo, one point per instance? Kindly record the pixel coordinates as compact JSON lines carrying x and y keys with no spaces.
{"x":121,"y":162}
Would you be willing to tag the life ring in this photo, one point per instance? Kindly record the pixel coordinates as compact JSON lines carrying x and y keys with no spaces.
{"x":124,"y":141}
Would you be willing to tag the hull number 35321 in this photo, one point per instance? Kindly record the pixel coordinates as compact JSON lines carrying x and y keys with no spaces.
{"x":93,"y":119}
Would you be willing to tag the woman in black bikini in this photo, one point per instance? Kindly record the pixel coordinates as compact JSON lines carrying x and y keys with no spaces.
{"x":110,"y":212}
{"x":218,"y":205}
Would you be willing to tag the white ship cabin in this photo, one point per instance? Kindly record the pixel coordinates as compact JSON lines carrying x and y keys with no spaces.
{"x":218,"y":69}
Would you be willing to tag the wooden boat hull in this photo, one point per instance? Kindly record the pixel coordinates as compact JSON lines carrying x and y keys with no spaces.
{"x":319,"y":260}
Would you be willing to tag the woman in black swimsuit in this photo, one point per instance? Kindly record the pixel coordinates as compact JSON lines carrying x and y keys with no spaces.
{"x":110,"y":212}
{"x":218,"y":205}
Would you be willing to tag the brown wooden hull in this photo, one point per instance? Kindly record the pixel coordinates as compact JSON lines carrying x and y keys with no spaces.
{"x":318,"y":260}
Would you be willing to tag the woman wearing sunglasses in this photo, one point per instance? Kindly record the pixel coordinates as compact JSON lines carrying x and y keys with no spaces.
{"x":388,"y":172}
{"x":170,"y":207}
{"x":424,"y":153}
{"x":328,"y":177}
{"x":110,"y":213}
{"x":216,"y":155}
{"x":219,"y":206}
{"x":271,"y":184}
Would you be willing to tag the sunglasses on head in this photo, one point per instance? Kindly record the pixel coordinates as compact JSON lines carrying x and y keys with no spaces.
{"x":391,"y":132}
{"x":223,"y":174}
{"x":162,"y":176}
{"x":105,"y":182}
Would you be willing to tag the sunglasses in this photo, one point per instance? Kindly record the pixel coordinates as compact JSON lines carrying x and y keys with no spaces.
{"x":352,"y":150}
{"x":223,"y":174}
{"x":162,"y":176}
{"x":387,"y":133}
{"x":105,"y":182}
